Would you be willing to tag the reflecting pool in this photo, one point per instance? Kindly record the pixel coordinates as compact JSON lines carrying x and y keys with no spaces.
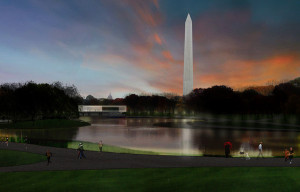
{"x":168,"y":135}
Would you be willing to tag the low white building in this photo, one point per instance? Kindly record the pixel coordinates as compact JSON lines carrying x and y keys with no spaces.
{"x":102,"y":110}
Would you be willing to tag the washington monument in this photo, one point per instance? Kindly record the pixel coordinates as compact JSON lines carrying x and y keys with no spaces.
{"x":188,"y":57}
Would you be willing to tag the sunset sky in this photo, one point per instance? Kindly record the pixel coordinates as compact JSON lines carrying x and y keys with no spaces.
{"x":135,"y":46}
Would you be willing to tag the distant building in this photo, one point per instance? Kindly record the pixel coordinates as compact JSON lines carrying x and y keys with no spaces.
{"x":109,"y":97}
{"x":102,"y":110}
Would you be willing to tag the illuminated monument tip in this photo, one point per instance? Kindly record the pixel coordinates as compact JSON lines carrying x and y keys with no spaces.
{"x":188,"y":17}
{"x":188,"y":57}
{"x":109,"y":97}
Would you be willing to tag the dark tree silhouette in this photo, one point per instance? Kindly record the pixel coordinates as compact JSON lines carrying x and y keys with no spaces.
{"x":32,"y":101}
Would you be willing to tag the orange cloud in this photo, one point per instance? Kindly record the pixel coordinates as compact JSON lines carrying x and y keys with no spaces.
{"x":279,"y":60}
{"x":239,"y":73}
{"x":157,"y":39}
{"x":167,"y":55}
{"x":144,"y":11}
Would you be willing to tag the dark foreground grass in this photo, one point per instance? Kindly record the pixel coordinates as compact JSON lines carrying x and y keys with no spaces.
{"x":11,"y":158}
{"x":158,"y":179}
{"x":44,"y":124}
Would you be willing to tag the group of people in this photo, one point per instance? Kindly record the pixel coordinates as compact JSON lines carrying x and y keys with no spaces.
{"x":80,"y":153}
{"x":288,"y":154}
{"x":6,"y":139}
{"x":80,"y":150}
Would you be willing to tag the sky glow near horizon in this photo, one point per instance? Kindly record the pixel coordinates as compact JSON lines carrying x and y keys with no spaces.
{"x":133,"y":46}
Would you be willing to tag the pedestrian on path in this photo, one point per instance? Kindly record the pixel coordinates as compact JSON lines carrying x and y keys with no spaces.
{"x":100,"y":145}
{"x":227,"y":146}
{"x":260,"y":148}
{"x":49,"y":155}
{"x":286,"y":154}
{"x":291,"y":156}
{"x":6,"y":141}
{"x":80,"y":151}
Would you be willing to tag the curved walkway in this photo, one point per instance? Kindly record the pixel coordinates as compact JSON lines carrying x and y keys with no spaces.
{"x":66,"y":159}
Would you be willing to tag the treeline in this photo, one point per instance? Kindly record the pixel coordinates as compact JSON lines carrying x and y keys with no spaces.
{"x":150,"y":105}
{"x":31,"y":101}
{"x":285,"y":98}
{"x":91,"y":100}
{"x":282,"y":98}
{"x":139,"y":105}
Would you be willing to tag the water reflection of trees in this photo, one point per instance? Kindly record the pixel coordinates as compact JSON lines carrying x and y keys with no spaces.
{"x":37,"y":135}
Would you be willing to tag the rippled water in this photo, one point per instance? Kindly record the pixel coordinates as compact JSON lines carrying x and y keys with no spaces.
{"x":181,"y":136}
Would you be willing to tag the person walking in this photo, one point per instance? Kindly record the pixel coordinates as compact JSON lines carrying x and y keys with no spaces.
{"x":100,"y":145}
{"x":291,"y":156}
{"x":80,"y":151}
{"x":49,"y":155}
{"x":260,"y":148}
{"x":286,"y":154}
{"x":227,"y":146}
{"x":6,"y":141}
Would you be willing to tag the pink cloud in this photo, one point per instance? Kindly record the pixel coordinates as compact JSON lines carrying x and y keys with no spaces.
{"x":157,"y":39}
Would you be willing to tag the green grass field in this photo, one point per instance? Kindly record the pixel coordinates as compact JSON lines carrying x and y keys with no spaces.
{"x":106,"y":148}
{"x":12,"y":158}
{"x":158,"y":179}
{"x":44,"y":124}
{"x":115,"y":149}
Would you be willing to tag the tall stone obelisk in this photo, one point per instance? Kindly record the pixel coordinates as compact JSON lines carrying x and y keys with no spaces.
{"x":188,"y":57}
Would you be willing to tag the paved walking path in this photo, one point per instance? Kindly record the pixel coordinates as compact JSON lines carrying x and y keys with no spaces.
{"x":66,"y":159}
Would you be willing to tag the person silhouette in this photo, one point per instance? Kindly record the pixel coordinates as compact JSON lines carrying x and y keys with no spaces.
{"x":227,"y":146}
{"x":291,"y":155}
{"x":100,"y":145}
{"x":49,"y":155}
{"x":260,"y":148}
{"x":80,"y":151}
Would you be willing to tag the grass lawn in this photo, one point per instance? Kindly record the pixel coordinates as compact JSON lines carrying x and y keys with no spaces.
{"x":44,"y":124}
{"x":115,"y":149}
{"x":11,"y":158}
{"x":158,"y":179}
{"x":106,"y":148}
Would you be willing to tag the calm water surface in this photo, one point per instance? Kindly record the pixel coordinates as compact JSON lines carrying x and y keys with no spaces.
{"x":181,"y":136}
